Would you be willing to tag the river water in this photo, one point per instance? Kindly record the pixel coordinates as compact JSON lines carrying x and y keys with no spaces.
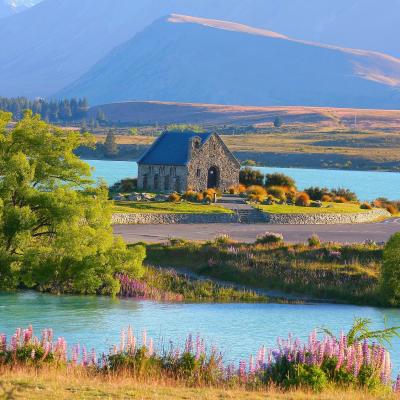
{"x":368,"y":185}
{"x":238,"y":330}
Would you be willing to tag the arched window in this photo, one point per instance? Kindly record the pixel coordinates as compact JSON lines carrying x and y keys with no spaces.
{"x":167,"y":184}
{"x":145,"y":182}
{"x":156,"y":182}
{"x":178,"y":184}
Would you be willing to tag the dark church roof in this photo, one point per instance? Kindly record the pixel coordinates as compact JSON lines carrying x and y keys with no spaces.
{"x":171,"y":148}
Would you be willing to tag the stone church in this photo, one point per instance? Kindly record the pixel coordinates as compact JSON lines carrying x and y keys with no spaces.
{"x":181,"y":160}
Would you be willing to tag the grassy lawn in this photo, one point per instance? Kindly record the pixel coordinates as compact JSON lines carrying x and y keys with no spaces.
{"x":40,"y":385}
{"x":166,"y":208}
{"x":334,"y":208}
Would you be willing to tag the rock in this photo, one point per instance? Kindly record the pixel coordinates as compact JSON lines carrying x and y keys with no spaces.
{"x":119,"y":197}
{"x":316,"y":204}
{"x":135,"y":197}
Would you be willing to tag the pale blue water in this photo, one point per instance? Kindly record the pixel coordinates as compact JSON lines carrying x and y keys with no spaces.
{"x":236,"y":329}
{"x":368,"y":185}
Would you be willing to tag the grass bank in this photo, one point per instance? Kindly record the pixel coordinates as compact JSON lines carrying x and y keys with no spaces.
{"x":63,"y":385}
{"x":167,"y":285}
{"x":328,"y":208}
{"x":333,"y":272}
{"x":167,"y":208}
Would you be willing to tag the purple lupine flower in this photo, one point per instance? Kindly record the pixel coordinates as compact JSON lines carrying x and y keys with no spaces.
{"x":84,"y":357}
{"x":396,"y":386}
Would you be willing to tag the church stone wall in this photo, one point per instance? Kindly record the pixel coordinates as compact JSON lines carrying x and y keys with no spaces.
{"x":162,"y":178}
{"x":212,"y":154}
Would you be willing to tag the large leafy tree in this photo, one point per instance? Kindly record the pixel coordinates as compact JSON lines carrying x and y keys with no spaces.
{"x":55,"y":231}
{"x":390,"y":276}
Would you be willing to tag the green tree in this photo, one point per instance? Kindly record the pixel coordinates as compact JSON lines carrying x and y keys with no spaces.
{"x":278,"y":179}
{"x":110,"y":145}
{"x":249,"y":176}
{"x":134,"y":131}
{"x":277,"y":122}
{"x":55,"y":224}
{"x":390,"y":276}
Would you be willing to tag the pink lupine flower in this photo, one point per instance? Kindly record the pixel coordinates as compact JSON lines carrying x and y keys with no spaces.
{"x":33,"y":353}
{"x":144,"y":338}
{"x":84,"y":357}
{"x":151,"y":347}
{"x":242,"y":369}
{"x":251,"y":365}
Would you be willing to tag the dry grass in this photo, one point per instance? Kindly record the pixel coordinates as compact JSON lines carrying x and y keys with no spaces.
{"x":377,"y":146}
{"x":63,"y":385}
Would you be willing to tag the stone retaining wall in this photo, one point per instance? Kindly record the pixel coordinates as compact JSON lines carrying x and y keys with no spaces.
{"x":279,"y":219}
{"x":125,"y":219}
{"x":327,"y":219}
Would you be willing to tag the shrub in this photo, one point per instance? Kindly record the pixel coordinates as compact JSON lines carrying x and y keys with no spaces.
{"x":314,"y":241}
{"x":326,"y":198}
{"x":278,"y":192}
{"x":278,"y":179}
{"x":249,"y":176}
{"x":174,"y":198}
{"x":392,"y":209}
{"x":190,"y":195}
{"x":339,"y":199}
{"x":241,"y":189}
{"x":270,"y":238}
{"x":232,"y":190}
{"x":366,"y":206}
{"x":303,"y":200}
{"x":345,"y":193}
{"x":223,"y":239}
{"x":390,"y":276}
{"x":317,"y":193}
{"x":256,"y":190}
{"x":199,"y":197}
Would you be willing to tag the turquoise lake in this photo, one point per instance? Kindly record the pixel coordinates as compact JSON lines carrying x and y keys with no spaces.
{"x":368,"y":185}
{"x":236,"y":329}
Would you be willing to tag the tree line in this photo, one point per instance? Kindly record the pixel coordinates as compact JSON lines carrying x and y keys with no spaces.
{"x":55,"y":111}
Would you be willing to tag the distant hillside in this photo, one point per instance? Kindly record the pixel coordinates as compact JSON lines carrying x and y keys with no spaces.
{"x":188,"y":59}
{"x":304,"y":118}
{"x":51,"y":45}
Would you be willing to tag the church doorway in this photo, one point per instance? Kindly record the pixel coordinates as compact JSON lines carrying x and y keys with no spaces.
{"x":212,"y":181}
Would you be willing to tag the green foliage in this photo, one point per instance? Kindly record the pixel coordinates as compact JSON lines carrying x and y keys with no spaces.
{"x":195,"y":289}
{"x":249,"y":176}
{"x":390,"y":277}
{"x":110,"y":145}
{"x":361,"y":331}
{"x":65,"y":110}
{"x":184,"y":128}
{"x":288,"y":375}
{"x":278,"y":179}
{"x":277,"y":122}
{"x":55,"y":231}
{"x":317,"y":193}
{"x":314,"y":241}
{"x":270,"y":238}
{"x":345,"y":193}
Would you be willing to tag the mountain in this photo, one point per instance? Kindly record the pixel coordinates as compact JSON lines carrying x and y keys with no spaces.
{"x":52,"y":44}
{"x":11,"y":7}
{"x":187,"y":59}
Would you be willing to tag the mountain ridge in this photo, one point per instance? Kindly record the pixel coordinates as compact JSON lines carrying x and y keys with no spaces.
{"x":52,"y":44}
{"x":157,"y":64}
